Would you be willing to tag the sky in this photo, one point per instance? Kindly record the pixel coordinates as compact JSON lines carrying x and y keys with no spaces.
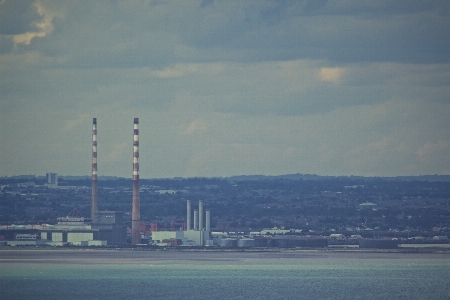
{"x":225,"y":87}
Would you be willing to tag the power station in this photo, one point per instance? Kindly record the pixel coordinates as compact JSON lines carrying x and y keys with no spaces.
{"x":103,"y":227}
{"x":196,"y":236}
{"x":107,"y":227}
{"x":110,"y":223}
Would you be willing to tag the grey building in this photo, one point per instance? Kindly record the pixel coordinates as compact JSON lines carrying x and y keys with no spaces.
{"x":110,"y":227}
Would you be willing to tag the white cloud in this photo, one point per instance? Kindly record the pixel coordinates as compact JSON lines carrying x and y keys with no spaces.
{"x":331,"y":74}
{"x":117,"y":153}
{"x":71,"y":124}
{"x":44,"y":27}
{"x":437,"y":150}
{"x":177,"y":71}
{"x":181,"y":70}
{"x":193,"y":127}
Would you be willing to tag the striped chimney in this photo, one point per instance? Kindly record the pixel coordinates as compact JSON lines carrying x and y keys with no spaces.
{"x":94,"y":201}
{"x":136,"y":209}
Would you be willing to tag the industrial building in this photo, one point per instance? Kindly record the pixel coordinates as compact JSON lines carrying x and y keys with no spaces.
{"x":110,"y":227}
{"x":199,"y":233}
{"x":378,"y":243}
{"x":269,"y":242}
{"x":72,"y":230}
{"x":106,"y":229}
{"x":52,"y":180}
{"x":103,"y":227}
{"x":196,"y":235}
{"x":25,"y":239}
{"x":75,"y":231}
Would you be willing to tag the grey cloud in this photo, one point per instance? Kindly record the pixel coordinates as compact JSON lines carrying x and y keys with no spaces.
{"x":135,"y":34}
{"x":226,"y":87}
{"x":108,"y":34}
{"x":6,"y":44}
{"x":206,"y":3}
{"x":296,"y":88}
{"x":18,"y":17}
{"x":319,"y":100}
{"x":338,"y":31}
{"x":384,"y":7}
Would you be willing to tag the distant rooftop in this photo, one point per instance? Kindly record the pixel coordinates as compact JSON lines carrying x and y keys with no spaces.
{"x":367,"y":204}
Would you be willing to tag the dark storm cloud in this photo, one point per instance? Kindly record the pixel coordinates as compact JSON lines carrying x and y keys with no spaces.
{"x":18,"y":17}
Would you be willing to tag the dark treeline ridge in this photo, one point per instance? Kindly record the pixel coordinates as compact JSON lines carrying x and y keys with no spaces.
{"x":313,"y":203}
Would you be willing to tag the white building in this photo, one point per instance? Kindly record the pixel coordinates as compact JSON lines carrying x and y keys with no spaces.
{"x":75,"y":231}
{"x":52,"y":179}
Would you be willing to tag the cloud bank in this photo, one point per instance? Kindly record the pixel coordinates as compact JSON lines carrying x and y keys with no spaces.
{"x":226,"y":87}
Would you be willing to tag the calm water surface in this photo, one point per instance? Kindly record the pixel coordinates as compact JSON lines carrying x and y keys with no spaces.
{"x":98,"y":274}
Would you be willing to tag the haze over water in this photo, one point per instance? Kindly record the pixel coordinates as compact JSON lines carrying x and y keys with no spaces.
{"x":96,"y":274}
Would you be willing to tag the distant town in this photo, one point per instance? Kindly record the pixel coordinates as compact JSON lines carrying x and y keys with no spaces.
{"x":298,"y":210}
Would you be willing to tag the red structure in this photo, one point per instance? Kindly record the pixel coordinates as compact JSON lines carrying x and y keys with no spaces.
{"x":175,"y":225}
{"x":148,"y":228}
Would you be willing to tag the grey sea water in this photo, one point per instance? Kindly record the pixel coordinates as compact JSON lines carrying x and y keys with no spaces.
{"x":95,"y":274}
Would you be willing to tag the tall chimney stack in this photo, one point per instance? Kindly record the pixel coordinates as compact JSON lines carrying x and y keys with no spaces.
{"x":188,"y":216}
{"x":196,"y":219}
{"x":208,"y":220}
{"x":136,"y":209}
{"x":94,"y":201}
{"x":200,"y":215}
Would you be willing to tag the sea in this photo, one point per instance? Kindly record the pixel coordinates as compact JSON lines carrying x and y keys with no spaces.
{"x":290,"y":274}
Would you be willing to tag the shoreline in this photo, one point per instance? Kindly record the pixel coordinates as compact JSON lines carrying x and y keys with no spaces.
{"x":430,"y":250}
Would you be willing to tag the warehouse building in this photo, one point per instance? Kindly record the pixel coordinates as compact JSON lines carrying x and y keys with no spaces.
{"x":106,"y":229}
{"x":75,"y":231}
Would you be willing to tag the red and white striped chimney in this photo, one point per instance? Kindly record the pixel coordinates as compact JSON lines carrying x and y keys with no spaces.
{"x":94,"y":201}
{"x":136,"y":210}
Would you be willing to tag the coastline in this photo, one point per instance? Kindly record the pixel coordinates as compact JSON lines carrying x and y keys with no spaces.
{"x":430,"y":250}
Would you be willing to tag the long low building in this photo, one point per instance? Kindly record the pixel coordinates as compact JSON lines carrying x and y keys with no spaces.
{"x":275,"y":242}
{"x":107,"y":228}
{"x":188,"y":237}
{"x":72,"y":231}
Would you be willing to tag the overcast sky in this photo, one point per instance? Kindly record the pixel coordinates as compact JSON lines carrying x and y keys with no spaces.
{"x":221,"y":88}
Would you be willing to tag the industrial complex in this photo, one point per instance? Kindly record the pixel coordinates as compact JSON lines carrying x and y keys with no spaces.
{"x":198,"y":235}
{"x":108,"y":228}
